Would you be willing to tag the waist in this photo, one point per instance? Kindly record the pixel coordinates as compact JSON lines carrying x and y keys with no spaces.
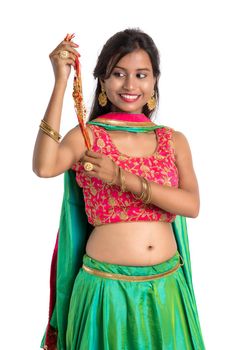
{"x":134,"y":243}
{"x":132,"y":273}
{"x":144,"y":227}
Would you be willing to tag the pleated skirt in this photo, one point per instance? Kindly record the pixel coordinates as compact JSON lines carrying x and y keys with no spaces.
{"x":110,"y":310}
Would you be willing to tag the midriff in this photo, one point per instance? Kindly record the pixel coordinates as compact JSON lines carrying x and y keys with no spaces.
{"x":140,"y":243}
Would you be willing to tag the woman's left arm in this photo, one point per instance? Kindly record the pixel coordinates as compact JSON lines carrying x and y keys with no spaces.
{"x":183,"y":200}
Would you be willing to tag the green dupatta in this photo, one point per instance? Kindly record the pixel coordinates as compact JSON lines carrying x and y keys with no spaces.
{"x":73,"y":234}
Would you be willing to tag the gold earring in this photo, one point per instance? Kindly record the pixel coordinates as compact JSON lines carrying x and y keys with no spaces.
{"x":102,"y":98}
{"x":152,"y":102}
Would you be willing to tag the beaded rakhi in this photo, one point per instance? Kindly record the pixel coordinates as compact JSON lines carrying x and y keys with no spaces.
{"x":78,"y":98}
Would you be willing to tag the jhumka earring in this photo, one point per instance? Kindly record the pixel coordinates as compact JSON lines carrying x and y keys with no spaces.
{"x":152,"y":102}
{"x":102,"y":98}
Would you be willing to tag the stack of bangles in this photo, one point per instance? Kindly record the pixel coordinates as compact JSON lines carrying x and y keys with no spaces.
{"x":146,"y":193}
{"x":46,"y":128}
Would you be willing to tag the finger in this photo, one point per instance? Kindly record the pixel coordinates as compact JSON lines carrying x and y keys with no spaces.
{"x":71,"y":56}
{"x":69,"y":62}
{"x":71,"y":43}
{"x":67,"y":45}
{"x":91,"y":173}
{"x":93,"y":154}
{"x":72,"y":52}
{"x":92,"y":160}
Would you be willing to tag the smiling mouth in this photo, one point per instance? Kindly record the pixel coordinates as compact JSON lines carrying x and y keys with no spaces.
{"x":129,"y":98}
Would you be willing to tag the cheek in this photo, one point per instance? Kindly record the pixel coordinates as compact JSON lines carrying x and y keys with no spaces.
{"x":111,"y":91}
{"x":112,"y":85}
{"x":148,"y":86}
{"x":147,"y":90}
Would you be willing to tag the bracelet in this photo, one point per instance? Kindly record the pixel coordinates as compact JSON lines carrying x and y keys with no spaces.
{"x":148,"y":198}
{"x":47,"y":129}
{"x":122,"y":180}
{"x":142,"y":190}
{"x":45,"y":125}
{"x":49,"y":133}
{"x":112,"y":182}
{"x":146,"y":193}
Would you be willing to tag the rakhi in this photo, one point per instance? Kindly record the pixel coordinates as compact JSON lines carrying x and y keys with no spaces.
{"x":78,"y":98}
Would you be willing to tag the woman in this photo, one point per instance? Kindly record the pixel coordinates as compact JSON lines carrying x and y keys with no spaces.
{"x":131,"y":292}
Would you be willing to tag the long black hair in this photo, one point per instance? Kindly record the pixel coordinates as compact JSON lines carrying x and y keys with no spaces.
{"x":119,"y":45}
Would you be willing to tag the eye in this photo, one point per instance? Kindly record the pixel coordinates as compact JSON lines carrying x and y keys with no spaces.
{"x":141,"y":75}
{"x":118,"y":74}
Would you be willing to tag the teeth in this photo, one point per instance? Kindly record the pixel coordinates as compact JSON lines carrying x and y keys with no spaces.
{"x":130,"y":97}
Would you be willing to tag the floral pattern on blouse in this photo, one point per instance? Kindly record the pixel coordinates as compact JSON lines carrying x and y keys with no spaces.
{"x":107,"y":203}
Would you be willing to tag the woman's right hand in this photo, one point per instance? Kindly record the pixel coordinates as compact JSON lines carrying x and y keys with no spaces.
{"x":62,"y":66}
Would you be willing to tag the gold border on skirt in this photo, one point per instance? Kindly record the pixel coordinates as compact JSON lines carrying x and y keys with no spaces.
{"x":116,"y":276}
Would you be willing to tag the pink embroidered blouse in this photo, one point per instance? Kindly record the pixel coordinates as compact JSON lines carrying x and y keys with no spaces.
{"x":107,"y":203}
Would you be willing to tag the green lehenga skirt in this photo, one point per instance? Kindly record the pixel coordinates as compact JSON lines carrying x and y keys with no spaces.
{"x":118,"y":307}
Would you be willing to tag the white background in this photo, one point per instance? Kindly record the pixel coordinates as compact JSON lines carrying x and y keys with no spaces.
{"x":195,"y":42}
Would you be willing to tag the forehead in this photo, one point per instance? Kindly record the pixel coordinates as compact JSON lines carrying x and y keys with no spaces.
{"x":136,"y":59}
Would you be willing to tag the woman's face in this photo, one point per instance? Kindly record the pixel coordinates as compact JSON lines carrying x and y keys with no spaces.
{"x":131,"y":83}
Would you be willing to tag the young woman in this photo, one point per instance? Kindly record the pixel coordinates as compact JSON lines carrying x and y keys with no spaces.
{"x":133,"y":290}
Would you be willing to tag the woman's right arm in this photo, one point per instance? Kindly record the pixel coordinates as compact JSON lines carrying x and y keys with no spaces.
{"x":49,"y":157}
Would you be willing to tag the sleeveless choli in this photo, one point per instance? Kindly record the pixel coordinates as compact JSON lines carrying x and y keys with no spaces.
{"x":107,"y":203}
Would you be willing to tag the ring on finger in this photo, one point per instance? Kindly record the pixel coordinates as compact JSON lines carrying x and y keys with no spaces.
{"x":88,"y":166}
{"x":63,"y":54}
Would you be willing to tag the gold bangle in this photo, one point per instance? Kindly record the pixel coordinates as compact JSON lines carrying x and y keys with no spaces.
{"x":148,"y":198}
{"x":122,"y":180}
{"x":145,"y":195}
{"x":112,"y":182}
{"x":43,"y":127}
{"x":43,"y":121}
{"x":142,"y":195}
{"x":46,"y":127}
{"x":146,"y":189}
{"x":47,"y":132}
{"x":142,"y":192}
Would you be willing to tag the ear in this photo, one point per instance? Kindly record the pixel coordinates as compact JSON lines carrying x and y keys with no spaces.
{"x":156,"y":79}
{"x":102,"y":83}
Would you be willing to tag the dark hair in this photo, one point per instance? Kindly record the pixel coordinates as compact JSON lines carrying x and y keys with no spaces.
{"x":119,"y":45}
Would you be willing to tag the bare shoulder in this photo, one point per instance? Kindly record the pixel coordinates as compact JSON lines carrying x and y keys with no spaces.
{"x":75,"y":140}
{"x":181,"y":144}
{"x":184,"y":162}
{"x":71,"y":148}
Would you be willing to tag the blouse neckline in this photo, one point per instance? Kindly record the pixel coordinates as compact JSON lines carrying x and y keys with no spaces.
{"x":153,"y":155}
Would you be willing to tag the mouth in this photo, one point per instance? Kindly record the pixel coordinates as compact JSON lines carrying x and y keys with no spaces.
{"x":129,"y":97}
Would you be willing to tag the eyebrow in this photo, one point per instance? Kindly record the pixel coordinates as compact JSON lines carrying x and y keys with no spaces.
{"x":147,"y":69}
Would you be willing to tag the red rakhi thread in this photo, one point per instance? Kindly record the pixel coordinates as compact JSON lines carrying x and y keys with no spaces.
{"x":78,"y":98}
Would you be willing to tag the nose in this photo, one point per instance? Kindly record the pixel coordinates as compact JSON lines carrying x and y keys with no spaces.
{"x":129,"y":83}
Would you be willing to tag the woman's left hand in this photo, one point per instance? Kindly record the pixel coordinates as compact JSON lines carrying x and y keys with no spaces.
{"x":103,"y":166}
